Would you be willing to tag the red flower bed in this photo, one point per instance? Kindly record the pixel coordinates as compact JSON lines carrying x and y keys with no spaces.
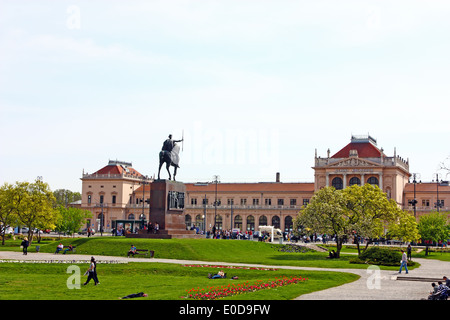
{"x":226,"y":267}
{"x":212,"y":293}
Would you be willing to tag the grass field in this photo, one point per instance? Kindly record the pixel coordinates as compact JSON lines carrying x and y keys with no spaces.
{"x":38,"y":281}
{"x":161,"y":281}
{"x":45,"y":281}
{"x":237,"y":251}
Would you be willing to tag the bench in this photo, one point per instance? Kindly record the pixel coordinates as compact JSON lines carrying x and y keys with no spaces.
{"x":145,"y":252}
{"x":74,"y":249}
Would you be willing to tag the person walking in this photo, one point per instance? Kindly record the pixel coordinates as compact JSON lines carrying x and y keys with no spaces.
{"x":403,"y":262}
{"x":25,"y":245}
{"x":409,"y":251}
{"x":92,"y":272}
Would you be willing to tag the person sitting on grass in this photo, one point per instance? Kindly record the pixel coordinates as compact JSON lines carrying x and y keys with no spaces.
{"x":132,"y":251}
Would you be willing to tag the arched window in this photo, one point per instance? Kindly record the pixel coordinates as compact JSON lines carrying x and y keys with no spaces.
{"x":219,"y":222}
{"x":131,"y":216}
{"x":251,"y":223}
{"x":263,"y":221}
{"x":187,"y":221}
{"x":238,"y":222}
{"x":199,"y":221}
{"x":373,"y":181}
{"x":337,"y":183}
{"x":276,"y":221}
{"x":288,"y":225}
{"x":355,"y":180}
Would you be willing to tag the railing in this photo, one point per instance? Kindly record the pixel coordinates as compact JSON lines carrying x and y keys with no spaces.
{"x":244,"y":207}
{"x":112,"y":176}
{"x":425,"y":208}
{"x":385,"y":161}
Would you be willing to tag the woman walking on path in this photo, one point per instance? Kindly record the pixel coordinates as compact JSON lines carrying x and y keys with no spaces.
{"x":92,"y":272}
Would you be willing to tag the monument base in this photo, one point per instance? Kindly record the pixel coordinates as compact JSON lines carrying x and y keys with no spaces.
{"x":167,"y":210}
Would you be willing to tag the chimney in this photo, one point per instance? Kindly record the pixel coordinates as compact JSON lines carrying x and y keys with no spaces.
{"x":278,"y":177}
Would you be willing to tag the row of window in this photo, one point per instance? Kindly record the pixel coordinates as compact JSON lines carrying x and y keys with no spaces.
{"x":427,"y":203}
{"x":114,"y":199}
{"x":102,"y":199}
{"x":338,"y":183}
{"x":238,"y":222}
{"x":244,"y":202}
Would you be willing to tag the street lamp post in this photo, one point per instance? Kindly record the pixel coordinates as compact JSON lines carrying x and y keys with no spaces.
{"x":414,"y":201}
{"x":204,"y":215}
{"x":438,"y":204}
{"x":216,"y":181}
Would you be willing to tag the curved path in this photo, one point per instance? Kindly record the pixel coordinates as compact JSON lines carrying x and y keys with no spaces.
{"x":373,"y":284}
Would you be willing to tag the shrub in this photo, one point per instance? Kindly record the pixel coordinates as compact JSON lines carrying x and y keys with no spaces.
{"x":379,"y":256}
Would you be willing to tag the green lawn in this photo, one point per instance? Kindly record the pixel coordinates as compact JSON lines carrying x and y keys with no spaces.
{"x":237,"y":251}
{"x":44,"y":281}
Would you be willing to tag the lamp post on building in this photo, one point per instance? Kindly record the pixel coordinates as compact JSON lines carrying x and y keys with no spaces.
{"x":216,"y":181}
{"x":414,"y":201}
{"x":204,"y":215}
{"x":438,"y":203}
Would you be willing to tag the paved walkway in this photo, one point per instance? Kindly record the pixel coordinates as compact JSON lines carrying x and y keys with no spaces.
{"x":372,"y":285}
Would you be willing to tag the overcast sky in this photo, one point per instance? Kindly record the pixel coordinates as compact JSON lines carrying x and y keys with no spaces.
{"x":254,"y":86}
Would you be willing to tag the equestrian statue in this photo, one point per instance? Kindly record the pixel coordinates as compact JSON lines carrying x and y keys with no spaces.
{"x":169,"y":155}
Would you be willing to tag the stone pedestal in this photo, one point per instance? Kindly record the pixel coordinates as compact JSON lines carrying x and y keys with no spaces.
{"x":167,"y":209}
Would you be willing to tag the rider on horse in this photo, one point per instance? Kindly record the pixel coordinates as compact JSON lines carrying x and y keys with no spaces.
{"x":169,"y":155}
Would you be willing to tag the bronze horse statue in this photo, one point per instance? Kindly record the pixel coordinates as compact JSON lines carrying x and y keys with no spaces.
{"x":169,"y":156}
{"x":165,"y":157}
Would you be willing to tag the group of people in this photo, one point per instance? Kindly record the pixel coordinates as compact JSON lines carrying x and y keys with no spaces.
{"x":441,"y":290}
{"x":152,"y":228}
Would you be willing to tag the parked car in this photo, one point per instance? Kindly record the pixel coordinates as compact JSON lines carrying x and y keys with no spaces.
{"x":9,"y":230}
{"x":24,"y":230}
{"x":84,"y":231}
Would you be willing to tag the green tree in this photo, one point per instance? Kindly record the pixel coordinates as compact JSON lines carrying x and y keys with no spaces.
{"x":404,"y":228}
{"x":354,"y":211}
{"x":434,"y":227}
{"x":37,"y":209}
{"x":65,"y":197}
{"x":12,"y":197}
{"x":327,"y":213}
{"x":70,"y":219}
{"x":372,"y":210}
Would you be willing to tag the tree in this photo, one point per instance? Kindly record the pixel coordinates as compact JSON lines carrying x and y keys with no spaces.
{"x":404,"y":228}
{"x":70,"y":219}
{"x":434,"y":227}
{"x":12,"y":197}
{"x":64,"y":197}
{"x":37,"y":210}
{"x":372,"y":210}
{"x":359,"y":211}
{"x":327,"y":213}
